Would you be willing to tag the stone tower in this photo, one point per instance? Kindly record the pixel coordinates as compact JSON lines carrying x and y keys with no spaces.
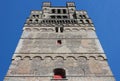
{"x":59,"y":43}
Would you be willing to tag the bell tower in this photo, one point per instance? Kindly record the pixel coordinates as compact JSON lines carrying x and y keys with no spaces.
{"x":59,"y":43}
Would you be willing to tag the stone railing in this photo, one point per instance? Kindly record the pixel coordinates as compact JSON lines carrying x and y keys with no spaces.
{"x":48,"y":21}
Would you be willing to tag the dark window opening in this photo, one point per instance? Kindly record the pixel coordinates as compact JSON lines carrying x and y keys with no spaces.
{"x":53,"y":17}
{"x":49,"y":21}
{"x":88,"y":21}
{"x":84,"y":16}
{"x":72,"y":22}
{"x":43,"y":21}
{"x":60,"y":21}
{"x":59,"y":17}
{"x":52,"y":21}
{"x":33,"y":16}
{"x":53,"y":10}
{"x":59,"y":42}
{"x":37,"y":16}
{"x":36,"y":21}
{"x":46,"y":21}
{"x":61,"y":29}
{"x":30,"y":20}
{"x":64,"y":11}
{"x":72,"y":9}
{"x":80,"y":16}
{"x":65,"y":17}
{"x":56,"y":29}
{"x":82,"y":21}
{"x":59,"y":11}
{"x":68,"y":21}
{"x":74,"y":16}
{"x":59,"y":73}
{"x":75,"y":21}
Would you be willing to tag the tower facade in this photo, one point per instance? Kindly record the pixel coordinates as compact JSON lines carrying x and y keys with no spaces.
{"x":59,"y":43}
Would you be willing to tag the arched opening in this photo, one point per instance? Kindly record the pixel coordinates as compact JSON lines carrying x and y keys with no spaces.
{"x":37,"y":16}
{"x":53,"y":17}
{"x":59,"y":17}
{"x":88,"y":21}
{"x":61,"y":29}
{"x":36,"y":21}
{"x":59,"y":73}
{"x":82,"y":21}
{"x":84,"y":16}
{"x":30,"y":20}
{"x":65,"y":17}
{"x":80,"y":16}
{"x":56,"y":29}
{"x":33,"y":16}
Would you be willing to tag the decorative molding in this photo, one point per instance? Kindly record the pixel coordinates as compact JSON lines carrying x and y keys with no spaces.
{"x":64,"y":57}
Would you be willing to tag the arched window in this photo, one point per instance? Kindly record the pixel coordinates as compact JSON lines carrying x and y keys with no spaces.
{"x":37,"y":16}
{"x":82,"y":21}
{"x":30,"y":21}
{"x":84,"y":16}
{"x":59,"y":73}
{"x":88,"y":21}
{"x":56,"y":29}
{"x":53,"y":17}
{"x":59,"y":17}
{"x":74,"y":21}
{"x":33,"y":16}
{"x":80,"y":16}
{"x":36,"y":21}
{"x":65,"y":17}
{"x":43,"y":21}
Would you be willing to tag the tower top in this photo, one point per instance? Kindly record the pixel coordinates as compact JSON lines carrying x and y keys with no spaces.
{"x":59,"y":43}
{"x":46,"y":4}
{"x":68,"y":4}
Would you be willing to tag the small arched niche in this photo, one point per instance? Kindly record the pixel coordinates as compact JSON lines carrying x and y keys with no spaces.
{"x":59,"y":73}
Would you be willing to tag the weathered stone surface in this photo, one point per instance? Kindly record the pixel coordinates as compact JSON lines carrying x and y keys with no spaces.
{"x":51,"y":46}
{"x":64,"y":39}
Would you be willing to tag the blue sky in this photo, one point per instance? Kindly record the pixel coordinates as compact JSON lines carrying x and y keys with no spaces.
{"x":105,"y":15}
